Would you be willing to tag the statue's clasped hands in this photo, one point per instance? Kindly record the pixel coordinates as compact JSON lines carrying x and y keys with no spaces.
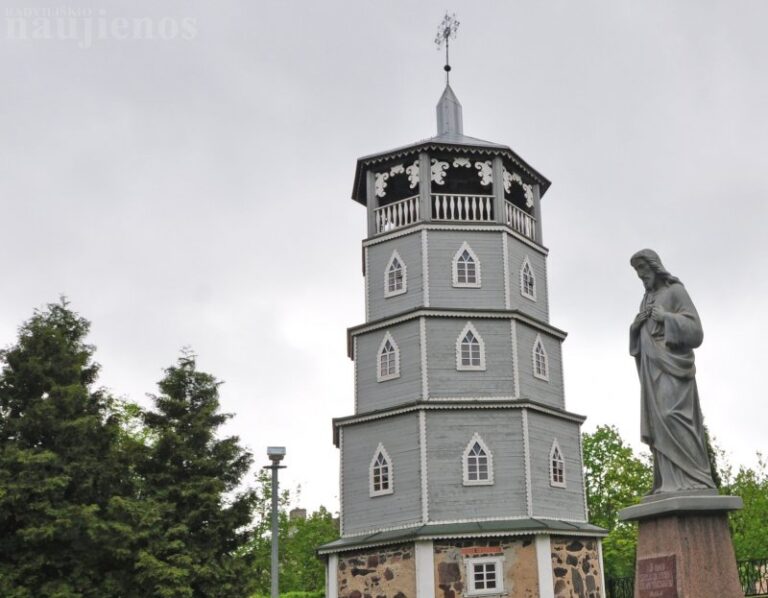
{"x":654,"y":312}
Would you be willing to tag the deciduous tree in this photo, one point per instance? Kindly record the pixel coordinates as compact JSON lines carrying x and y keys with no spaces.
{"x":615,"y":478}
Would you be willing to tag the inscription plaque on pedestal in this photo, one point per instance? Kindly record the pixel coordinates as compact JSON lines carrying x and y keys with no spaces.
{"x":657,"y":577}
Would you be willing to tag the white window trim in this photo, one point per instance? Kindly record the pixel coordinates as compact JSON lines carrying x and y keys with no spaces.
{"x":387,"y":292}
{"x":531,"y":296}
{"x":473,"y":255}
{"x":538,"y":342}
{"x":465,"y":462}
{"x":381,"y":450}
{"x":552,"y":482}
{"x":379,"y":377}
{"x":470,"y":328}
{"x":471,"y":562}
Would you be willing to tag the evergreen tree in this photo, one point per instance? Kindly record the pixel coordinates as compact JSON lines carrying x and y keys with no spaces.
{"x":60,"y":466}
{"x":192,"y":478}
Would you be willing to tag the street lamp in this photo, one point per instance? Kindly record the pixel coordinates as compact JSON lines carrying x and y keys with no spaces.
{"x":275,"y":454}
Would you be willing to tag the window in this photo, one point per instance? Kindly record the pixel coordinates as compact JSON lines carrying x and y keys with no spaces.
{"x":485,"y":576}
{"x":381,"y":481}
{"x":527,"y":280}
{"x":389,"y":359}
{"x":540,"y":365}
{"x":470,"y":349}
{"x":556,"y":466}
{"x":478,"y":463}
{"x":466,"y":268}
{"x":395,"y":279}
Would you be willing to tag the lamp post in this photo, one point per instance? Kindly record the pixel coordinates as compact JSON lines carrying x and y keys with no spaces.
{"x":275,"y":454}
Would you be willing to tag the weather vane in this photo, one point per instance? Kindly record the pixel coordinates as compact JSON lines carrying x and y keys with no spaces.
{"x":446,"y":31}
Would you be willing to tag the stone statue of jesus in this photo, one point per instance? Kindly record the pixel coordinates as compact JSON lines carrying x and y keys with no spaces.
{"x":662,"y":338}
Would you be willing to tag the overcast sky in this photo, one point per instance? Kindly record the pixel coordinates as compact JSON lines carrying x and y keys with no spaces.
{"x":182,"y":172}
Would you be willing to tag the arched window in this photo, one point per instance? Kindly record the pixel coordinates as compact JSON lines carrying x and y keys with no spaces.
{"x":381,"y":480}
{"x":540,"y":362}
{"x":527,"y":280}
{"x":470,"y":349}
{"x":556,"y":466}
{"x":478,"y":463}
{"x":395,"y":282}
{"x":466,"y":268}
{"x":388,"y":359}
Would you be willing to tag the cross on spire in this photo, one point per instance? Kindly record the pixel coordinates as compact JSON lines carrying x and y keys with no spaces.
{"x":446,"y":31}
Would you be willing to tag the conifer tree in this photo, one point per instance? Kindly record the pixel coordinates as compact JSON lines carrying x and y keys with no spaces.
{"x":59,"y":465}
{"x":193,"y":477}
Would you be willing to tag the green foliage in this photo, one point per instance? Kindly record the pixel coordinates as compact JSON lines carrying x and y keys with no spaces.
{"x":59,"y":464}
{"x":301,"y":571}
{"x":318,"y":594}
{"x":191,"y":479}
{"x":101,"y":499}
{"x":615,"y":478}
{"x":749,"y":526}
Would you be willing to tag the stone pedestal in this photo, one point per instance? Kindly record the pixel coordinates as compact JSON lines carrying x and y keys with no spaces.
{"x":684,"y":547}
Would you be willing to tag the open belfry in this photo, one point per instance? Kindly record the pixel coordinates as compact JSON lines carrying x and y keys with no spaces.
{"x":461,"y":470}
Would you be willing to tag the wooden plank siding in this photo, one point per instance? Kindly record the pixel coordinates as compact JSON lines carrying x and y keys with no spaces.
{"x":548,"y":392}
{"x":399,"y":436}
{"x":409,"y":248}
{"x":517,"y":252}
{"x":549,"y":501}
{"x":443,"y":377}
{"x":443,"y":245}
{"x":372,"y":394}
{"x":448,"y":433}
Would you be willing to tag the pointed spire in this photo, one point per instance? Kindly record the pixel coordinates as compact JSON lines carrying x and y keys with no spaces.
{"x":449,"y":119}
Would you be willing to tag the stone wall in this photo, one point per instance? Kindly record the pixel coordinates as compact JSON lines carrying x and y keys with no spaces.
{"x":576,"y":568}
{"x":387,"y":572}
{"x":520,"y":570}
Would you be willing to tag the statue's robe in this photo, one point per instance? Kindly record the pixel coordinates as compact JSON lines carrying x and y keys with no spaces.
{"x":671,"y":423}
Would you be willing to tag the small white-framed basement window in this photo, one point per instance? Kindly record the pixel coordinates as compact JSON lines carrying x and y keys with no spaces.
{"x":540,"y":360}
{"x":470,"y":349}
{"x":381,"y":480}
{"x":388,"y":359}
{"x":527,"y":280}
{"x":556,"y":466}
{"x":477,"y":463}
{"x":466,"y":267}
{"x":395,"y":279}
{"x":485,"y":575}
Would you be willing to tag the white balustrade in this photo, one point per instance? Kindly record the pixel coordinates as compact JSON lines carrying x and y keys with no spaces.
{"x":464,"y":208}
{"x":455,"y":208}
{"x":398,"y":214}
{"x":520,"y":221}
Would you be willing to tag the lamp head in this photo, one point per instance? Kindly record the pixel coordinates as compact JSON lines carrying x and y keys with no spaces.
{"x":276,"y":453}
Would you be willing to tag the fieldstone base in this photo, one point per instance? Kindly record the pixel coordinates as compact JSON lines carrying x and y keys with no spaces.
{"x":686,"y":556}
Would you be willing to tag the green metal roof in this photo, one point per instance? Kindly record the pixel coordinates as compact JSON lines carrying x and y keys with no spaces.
{"x":435,"y":531}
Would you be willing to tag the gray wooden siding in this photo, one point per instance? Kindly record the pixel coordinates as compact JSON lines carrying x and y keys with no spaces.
{"x":448,"y":433}
{"x":446,"y":381}
{"x":551,"y":392}
{"x":517,"y":251}
{"x":372,"y":394}
{"x":443,"y":245}
{"x":409,"y":248}
{"x":400,"y":437}
{"x":549,"y":501}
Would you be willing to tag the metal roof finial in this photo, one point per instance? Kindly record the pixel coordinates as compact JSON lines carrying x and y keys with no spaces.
{"x":446,"y":31}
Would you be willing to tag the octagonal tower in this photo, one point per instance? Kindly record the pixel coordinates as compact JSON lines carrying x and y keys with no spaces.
{"x":461,"y":468}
